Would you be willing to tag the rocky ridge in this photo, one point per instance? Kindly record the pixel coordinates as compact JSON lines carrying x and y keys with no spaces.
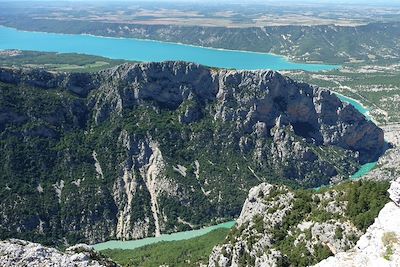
{"x":265,"y":97}
{"x":124,"y":152}
{"x":380,"y":245}
{"x":19,"y":253}
{"x":283,"y":227}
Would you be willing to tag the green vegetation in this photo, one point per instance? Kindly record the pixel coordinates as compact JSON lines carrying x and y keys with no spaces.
{"x":364,"y":201}
{"x":321,"y":252}
{"x":389,"y":239}
{"x":258,"y":223}
{"x":49,"y":137}
{"x":36,"y":155}
{"x":49,"y":176}
{"x":183,"y":253}
{"x":339,"y":233}
{"x":53,"y":145}
{"x":68,"y":62}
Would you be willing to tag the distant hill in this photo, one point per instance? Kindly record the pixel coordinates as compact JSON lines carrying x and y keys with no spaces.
{"x":324,"y":43}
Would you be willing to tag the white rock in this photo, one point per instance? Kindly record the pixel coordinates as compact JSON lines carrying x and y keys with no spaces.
{"x":378,"y":247}
{"x":20,"y":253}
{"x":394,"y":191}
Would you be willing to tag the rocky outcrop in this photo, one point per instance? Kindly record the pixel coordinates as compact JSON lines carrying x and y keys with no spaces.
{"x":138,"y":146}
{"x":20,"y":253}
{"x":276,"y":227}
{"x":143,"y":170}
{"x":380,"y":245}
{"x":283,"y":227}
{"x":389,"y":162}
{"x":394,"y":192}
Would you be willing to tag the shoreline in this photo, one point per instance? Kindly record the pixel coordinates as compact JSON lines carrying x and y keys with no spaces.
{"x":366,"y":114}
{"x":284,"y":57}
{"x":177,"y":236}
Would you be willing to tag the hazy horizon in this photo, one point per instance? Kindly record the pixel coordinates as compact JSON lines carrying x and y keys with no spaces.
{"x":388,"y":2}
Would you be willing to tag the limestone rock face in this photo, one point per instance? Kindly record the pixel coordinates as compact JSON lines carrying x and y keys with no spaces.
{"x":394,"y":191}
{"x":78,"y":83}
{"x":20,"y":253}
{"x":232,"y":253}
{"x":138,"y":146}
{"x":380,"y":245}
{"x":245,"y":96}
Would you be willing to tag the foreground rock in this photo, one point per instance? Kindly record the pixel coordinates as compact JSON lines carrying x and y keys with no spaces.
{"x":20,"y":253}
{"x":282,"y":227}
{"x":380,"y":245}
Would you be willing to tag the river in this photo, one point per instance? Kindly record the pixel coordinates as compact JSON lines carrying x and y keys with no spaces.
{"x":366,"y":168}
{"x":363,"y":110}
{"x":132,"y":244}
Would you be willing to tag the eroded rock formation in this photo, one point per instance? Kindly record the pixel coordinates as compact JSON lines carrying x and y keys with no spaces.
{"x":125,"y":152}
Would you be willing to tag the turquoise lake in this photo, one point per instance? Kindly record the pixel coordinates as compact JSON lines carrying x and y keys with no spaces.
{"x":147,"y":50}
{"x":132,"y":244}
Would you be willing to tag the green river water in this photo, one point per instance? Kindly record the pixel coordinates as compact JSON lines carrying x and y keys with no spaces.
{"x":132,"y":244}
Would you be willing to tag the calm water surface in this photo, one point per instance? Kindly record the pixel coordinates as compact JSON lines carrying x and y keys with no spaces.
{"x":147,"y":51}
{"x":132,"y":244}
{"x":366,"y":168}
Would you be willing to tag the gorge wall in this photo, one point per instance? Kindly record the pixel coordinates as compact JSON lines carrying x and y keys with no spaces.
{"x":144,"y":149}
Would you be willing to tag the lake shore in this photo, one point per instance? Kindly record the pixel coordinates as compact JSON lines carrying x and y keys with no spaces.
{"x":240,"y":59}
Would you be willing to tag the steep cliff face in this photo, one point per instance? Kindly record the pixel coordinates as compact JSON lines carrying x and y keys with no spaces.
{"x":389,"y":162}
{"x":144,"y":149}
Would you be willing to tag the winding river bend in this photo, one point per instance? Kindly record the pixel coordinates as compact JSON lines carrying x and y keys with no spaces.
{"x":132,"y":244}
{"x":366,"y":168}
